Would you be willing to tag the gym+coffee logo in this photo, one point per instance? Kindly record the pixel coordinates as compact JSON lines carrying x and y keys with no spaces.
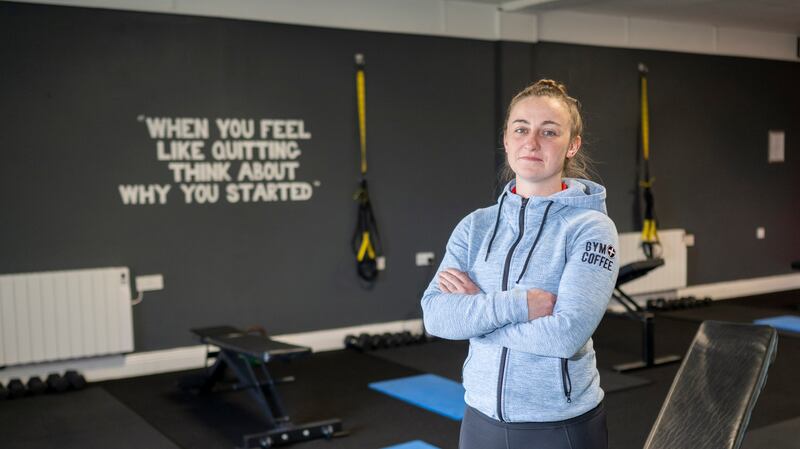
{"x":599,"y":254}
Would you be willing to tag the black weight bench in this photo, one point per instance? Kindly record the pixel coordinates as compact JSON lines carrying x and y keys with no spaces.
{"x":716,"y":387}
{"x":247,"y":355}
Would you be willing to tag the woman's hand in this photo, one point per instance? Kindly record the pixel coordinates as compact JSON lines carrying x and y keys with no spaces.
{"x":454,"y":281}
{"x":540,"y":303}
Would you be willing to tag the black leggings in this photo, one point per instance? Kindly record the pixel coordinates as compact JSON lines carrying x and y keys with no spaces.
{"x":587,"y":431}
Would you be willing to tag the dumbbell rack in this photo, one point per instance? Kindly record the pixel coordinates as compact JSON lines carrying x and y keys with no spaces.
{"x":54,"y":384}
{"x":368,"y":342}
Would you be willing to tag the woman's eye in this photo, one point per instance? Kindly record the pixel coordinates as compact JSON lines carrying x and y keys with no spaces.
{"x":549,"y":133}
{"x":521,"y":130}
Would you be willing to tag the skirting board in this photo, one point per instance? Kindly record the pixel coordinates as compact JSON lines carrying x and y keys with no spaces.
{"x":191,"y":357}
{"x":744,"y":287}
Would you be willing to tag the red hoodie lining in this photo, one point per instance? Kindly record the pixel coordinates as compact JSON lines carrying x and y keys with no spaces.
{"x":563,"y":187}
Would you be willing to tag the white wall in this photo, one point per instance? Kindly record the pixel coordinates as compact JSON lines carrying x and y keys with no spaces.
{"x":477,"y":21}
{"x":428,"y":17}
{"x":633,"y":32}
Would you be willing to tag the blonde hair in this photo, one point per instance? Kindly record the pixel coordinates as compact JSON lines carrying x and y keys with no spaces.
{"x":579,"y":165}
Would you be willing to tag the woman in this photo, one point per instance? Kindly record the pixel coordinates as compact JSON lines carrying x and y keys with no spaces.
{"x":527,"y":282}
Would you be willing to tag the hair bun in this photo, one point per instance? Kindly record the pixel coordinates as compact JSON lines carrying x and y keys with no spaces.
{"x":545,"y":84}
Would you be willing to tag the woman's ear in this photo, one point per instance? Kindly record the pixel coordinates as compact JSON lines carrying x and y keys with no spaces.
{"x":574,"y":147}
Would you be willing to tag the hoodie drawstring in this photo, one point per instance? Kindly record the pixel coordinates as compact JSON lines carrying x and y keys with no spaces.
{"x":496,"y":223}
{"x":536,"y":240}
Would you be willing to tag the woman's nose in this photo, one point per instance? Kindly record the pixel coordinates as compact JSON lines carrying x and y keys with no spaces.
{"x":530,"y":142}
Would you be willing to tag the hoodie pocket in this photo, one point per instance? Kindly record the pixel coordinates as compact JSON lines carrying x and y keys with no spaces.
{"x":566,"y":382}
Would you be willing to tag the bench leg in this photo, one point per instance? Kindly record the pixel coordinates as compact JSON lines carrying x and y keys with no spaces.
{"x":247,"y":377}
{"x":649,"y":359}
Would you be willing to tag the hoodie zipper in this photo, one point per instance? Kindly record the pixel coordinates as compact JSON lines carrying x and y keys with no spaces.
{"x":566,"y":382}
{"x":506,"y":269}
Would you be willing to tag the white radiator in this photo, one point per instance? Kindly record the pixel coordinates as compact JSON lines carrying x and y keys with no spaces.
{"x":60,"y":315}
{"x":670,"y":276}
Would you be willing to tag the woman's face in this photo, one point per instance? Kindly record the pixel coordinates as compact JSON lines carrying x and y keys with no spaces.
{"x":537,"y":139}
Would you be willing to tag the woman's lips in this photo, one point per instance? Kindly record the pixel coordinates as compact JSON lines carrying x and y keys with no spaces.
{"x":531,"y":158}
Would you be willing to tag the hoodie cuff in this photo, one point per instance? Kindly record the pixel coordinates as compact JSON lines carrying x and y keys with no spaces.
{"x":519,"y":305}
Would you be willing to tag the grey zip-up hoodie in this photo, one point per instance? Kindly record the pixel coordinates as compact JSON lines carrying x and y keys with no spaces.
{"x":519,"y":370}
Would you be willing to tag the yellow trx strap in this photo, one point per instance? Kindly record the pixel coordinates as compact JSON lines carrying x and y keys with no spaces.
{"x":645,"y":120}
{"x":650,"y":239}
{"x":361,"y":92}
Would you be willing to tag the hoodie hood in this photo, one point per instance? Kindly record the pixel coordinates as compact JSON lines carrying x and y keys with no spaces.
{"x":579,"y":193}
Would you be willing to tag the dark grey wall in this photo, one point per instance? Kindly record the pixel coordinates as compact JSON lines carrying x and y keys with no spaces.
{"x":709,"y":121}
{"x":73,"y":81}
{"x":513,"y":72}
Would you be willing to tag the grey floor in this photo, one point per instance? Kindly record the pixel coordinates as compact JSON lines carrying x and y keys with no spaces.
{"x":152,"y":412}
{"x":782,"y":435}
{"x":86,"y":419}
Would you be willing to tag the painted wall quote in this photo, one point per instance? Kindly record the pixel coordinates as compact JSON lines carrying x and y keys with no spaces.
{"x":224,"y":160}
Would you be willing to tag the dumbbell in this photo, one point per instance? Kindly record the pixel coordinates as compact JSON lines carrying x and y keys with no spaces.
{"x":387,"y":340}
{"x":397,"y":339}
{"x":707,"y":301}
{"x":56,"y":383}
{"x":16,"y":389}
{"x":359,"y":343}
{"x":351,"y":342}
{"x":364,"y":341}
{"x":376,"y":341}
{"x":36,"y":386}
{"x":405,"y":338}
{"x":75,"y":379}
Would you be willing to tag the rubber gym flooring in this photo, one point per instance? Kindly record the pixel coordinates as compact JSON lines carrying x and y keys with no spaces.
{"x":152,"y":412}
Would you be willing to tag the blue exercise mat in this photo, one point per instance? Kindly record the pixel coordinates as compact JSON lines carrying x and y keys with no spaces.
{"x":429,"y":391}
{"x":416,"y":444}
{"x":789,"y":323}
